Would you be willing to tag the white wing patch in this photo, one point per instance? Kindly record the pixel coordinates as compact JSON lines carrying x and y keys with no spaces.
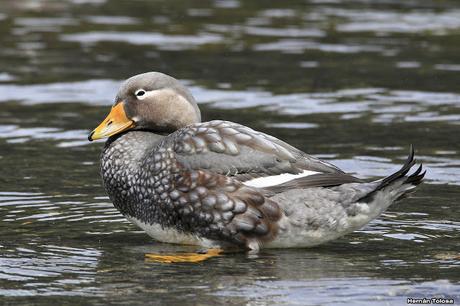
{"x":274,"y":180}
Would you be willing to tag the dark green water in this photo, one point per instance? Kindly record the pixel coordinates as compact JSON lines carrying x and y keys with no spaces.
{"x":354,"y":82}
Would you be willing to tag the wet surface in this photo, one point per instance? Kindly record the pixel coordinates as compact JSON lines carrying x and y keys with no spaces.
{"x":353,"y":82}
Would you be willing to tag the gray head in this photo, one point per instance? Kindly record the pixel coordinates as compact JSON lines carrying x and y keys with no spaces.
{"x":150,"y":101}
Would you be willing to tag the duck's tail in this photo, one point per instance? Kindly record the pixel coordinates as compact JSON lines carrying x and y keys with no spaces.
{"x":399,"y":184}
{"x":315,"y":215}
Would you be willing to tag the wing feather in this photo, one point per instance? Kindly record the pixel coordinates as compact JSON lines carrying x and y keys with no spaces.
{"x":232,"y":149}
{"x":222,"y":208}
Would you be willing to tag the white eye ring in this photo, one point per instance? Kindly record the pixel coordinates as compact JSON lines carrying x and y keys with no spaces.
{"x":140,"y":94}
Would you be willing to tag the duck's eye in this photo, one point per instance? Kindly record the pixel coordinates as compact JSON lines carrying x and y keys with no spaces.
{"x":139,"y":93}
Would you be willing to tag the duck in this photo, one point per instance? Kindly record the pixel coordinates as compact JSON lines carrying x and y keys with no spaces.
{"x":220,"y":184}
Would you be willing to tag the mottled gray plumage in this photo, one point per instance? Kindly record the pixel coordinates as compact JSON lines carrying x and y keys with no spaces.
{"x":189,"y":182}
{"x":147,"y":182}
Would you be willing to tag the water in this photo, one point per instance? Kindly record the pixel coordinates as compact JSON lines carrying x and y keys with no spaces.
{"x":353,"y":82}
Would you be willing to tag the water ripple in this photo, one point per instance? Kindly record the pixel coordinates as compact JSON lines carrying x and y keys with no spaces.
{"x":110,"y":20}
{"x":49,"y":270}
{"x":16,"y":134}
{"x":28,"y":208}
{"x":397,"y":22}
{"x":386,"y":105}
{"x":353,"y":290}
{"x":161,"y":41}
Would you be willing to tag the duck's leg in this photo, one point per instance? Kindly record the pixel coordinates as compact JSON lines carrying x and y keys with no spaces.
{"x":183,"y":257}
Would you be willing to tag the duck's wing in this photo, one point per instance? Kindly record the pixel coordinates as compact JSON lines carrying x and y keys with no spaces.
{"x":235,"y":150}
{"x":314,"y":180}
{"x":222,"y":208}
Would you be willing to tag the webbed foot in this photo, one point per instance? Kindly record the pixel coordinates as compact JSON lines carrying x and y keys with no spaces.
{"x":198,"y":256}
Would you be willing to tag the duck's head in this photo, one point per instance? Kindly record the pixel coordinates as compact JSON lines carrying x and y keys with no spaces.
{"x":150,"y":101}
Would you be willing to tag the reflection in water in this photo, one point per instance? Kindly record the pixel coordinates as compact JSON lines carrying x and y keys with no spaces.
{"x":355,"y":83}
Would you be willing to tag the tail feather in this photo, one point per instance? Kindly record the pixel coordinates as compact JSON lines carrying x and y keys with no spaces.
{"x":416,"y":177}
{"x":412,"y":180}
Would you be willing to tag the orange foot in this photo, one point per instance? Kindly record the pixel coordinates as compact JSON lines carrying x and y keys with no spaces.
{"x":183,"y":257}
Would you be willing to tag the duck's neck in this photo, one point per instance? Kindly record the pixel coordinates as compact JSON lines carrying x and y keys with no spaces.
{"x":120,"y":167}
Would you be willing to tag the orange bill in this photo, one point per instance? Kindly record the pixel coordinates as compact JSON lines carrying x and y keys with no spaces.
{"x":116,"y":122}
